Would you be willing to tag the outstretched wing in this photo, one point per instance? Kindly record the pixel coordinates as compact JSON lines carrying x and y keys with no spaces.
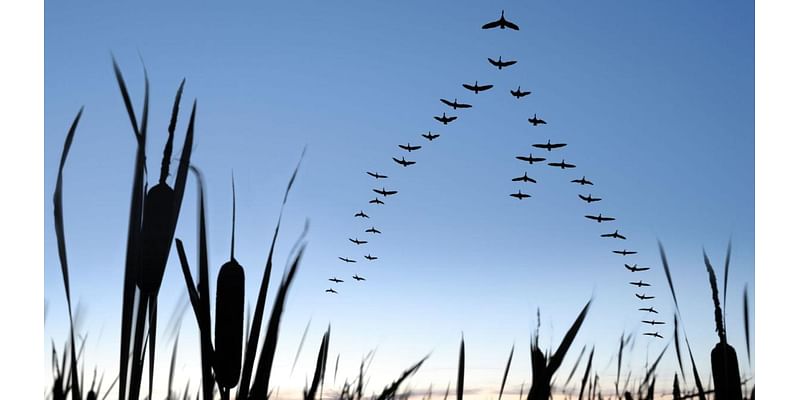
{"x":493,"y":24}
{"x":512,"y":25}
{"x":449,"y":103}
{"x":484,"y":87}
{"x":508,"y":63}
{"x":470,"y":87}
{"x":493,"y":62}
{"x":414,"y":147}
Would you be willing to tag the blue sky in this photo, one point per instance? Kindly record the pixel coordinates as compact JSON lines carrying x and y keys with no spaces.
{"x":654,"y":100}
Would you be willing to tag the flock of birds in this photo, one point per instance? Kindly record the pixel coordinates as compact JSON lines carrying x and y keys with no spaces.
{"x":529,"y":159}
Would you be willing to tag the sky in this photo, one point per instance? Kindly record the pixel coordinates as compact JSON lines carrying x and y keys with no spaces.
{"x":654,"y":100}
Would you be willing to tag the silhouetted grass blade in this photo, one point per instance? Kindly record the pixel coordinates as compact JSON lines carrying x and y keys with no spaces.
{"x":653,"y":367}
{"x":300,"y":348}
{"x":505,"y":373}
{"x":586,"y":374}
{"x":575,"y":367}
{"x":725,"y":284}
{"x":390,"y":391}
{"x":747,"y":324}
{"x":697,"y":382}
{"x":669,"y":276}
{"x":678,"y":347}
{"x":460,"y":377}
{"x":558,"y":357}
{"x":319,"y":371}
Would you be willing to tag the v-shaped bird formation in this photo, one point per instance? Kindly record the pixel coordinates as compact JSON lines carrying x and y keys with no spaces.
{"x":529,"y":159}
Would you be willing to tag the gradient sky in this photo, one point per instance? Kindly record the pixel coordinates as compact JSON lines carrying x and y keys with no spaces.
{"x":654,"y":99}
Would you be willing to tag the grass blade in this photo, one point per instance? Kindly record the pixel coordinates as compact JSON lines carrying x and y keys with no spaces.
{"x":619,"y":363}
{"x":505,"y":373}
{"x":300,"y":347}
{"x":697,"y":382}
{"x":171,"y":377}
{"x":460,"y":378}
{"x":669,"y":276}
{"x":558,"y":357}
{"x":586,"y":374}
{"x":653,"y":367}
{"x":390,"y":391}
{"x":747,"y":324}
{"x":725,"y":279}
{"x":575,"y":367}
{"x":319,"y":371}
{"x":678,"y":348}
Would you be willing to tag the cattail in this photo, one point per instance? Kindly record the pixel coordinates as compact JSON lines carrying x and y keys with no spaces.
{"x":91,"y":395}
{"x":158,"y":225}
{"x":724,"y":363}
{"x":676,"y":388}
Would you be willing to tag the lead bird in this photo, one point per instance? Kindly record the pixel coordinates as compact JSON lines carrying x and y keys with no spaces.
{"x":520,"y":195}
{"x":376,"y":175}
{"x":455,"y":104}
{"x":501,"y":23}
{"x":582,"y":181}
{"x":589,"y":199}
{"x":358,"y":242}
{"x":476,"y":88}
{"x":530,"y":159}
{"x":403,"y":162}
{"x":536,"y":121}
{"x":599,"y":218}
{"x":519,"y":93}
{"x":624,"y":252}
{"x":347,"y":260}
{"x":614,"y":235}
{"x":639,"y":284}
{"x":523,"y":178}
{"x":644,"y":297}
{"x":562,"y":164}
{"x":548,"y":146}
{"x":500,"y":63}
{"x":445,"y":119}
{"x":372,"y":230}
{"x":384,"y":192}
{"x":358,"y":278}
{"x":335,"y":279}
{"x":430,"y":136}
{"x":361,"y":214}
{"x":636,"y":268}
{"x":408,"y":147}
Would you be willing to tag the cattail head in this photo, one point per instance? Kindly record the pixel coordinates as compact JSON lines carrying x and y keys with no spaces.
{"x":725,"y":370}
{"x":228,"y":324}
{"x":91,"y":395}
{"x":158,"y":226}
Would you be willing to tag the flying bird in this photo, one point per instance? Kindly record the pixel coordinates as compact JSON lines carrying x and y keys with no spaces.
{"x":445,"y":119}
{"x":524,"y":178}
{"x":639,"y":284}
{"x":650,"y":310}
{"x":403,"y":162}
{"x":376,"y":201}
{"x":356,"y":241}
{"x":644,"y":296}
{"x":430,"y":136}
{"x":361,"y":214}
{"x":500,"y":63}
{"x":384,"y":192}
{"x":614,"y":235}
{"x":335,"y":279}
{"x":653,"y":322}
{"x":519,"y":93}
{"x":599,"y":218}
{"x":376,"y":175}
{"x":561,"y":165}
{"x":653,"y":334}
{"x":624,"y":252}
{"x":477,"y":88}
{"x":408,"y":147}
{"x":520,"y":195}
{"x":331,"y":291}
{"x":372,"y":230}
{"x":501,"y":23}
{"x":589,"y":199}
{"x":347,"y":260}
{"x":536,"y":121}
{"x":455,"y":104}
{"x":548,"y":146}
{"x":530,"y":159}
{"x":636,"y":268}
{"x":358,"y":278}
{"x":582,"y":181}
{"x":370,"y":257}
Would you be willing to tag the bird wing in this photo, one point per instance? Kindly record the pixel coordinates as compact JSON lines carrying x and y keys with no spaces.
{"x":415,"y":147}
{"x":490,"y":25}
{"x":508,"y":63}
{"x":512,"y":25}
{"x":449,"y":103}
{"x":463,"y":105}
{"x":390,"y":192}
{"x":584,"y":198}
{"x":438,"y":118}
{"x":450,"y":119}
{"x":495,"y":63}
{"x":485,"y":87}
{"x":469,"y":87}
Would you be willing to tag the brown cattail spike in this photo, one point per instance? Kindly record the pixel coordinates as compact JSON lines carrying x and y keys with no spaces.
{"x":157,"y":229}
{"x":228,"y":324}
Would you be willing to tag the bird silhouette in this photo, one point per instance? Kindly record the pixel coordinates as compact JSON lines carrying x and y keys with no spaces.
{"x":644,"y":296}
{"x":477,"y":88}
{"x":403,"y":162}
{"x":358,"y":278}
{"x":501,"y":23}
{"x":520,"y":195}
{"x":445,"y":119}
{"x":589,"y":198}
{"x":548,"y":146}
{"x":624,"y":252}
{"x":373,"y":230}
{"x":524,"y":178}
{"x":530,"y":159}
{"x":562,"y":165}
{"x":347,"y":260}
{"x":384,"y":192}
{"x":599,"y":218}
{"x":376,"y":175}
{"x":653,"y":334}
{"x":639,"y":284}
{"x":536,"y":121}
{"x":636,"y":268}
{"x":615,"y":235}
{"x":361,"y":214}
{"x":455,"y":104}
{"x":358,"y":242}
{"x":519,"y":93}
{"x":582,"y":181}
{"x":331,"y":291}
{"x":335,"y":279}
{"x":370,"y":257}
{"x":430,"y":136}
{"x":653,"y":322}
{"x":376,"y":201}
{"x":650,"y":310}
{"x":408,"y":147}
{"x":500,"y":63}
